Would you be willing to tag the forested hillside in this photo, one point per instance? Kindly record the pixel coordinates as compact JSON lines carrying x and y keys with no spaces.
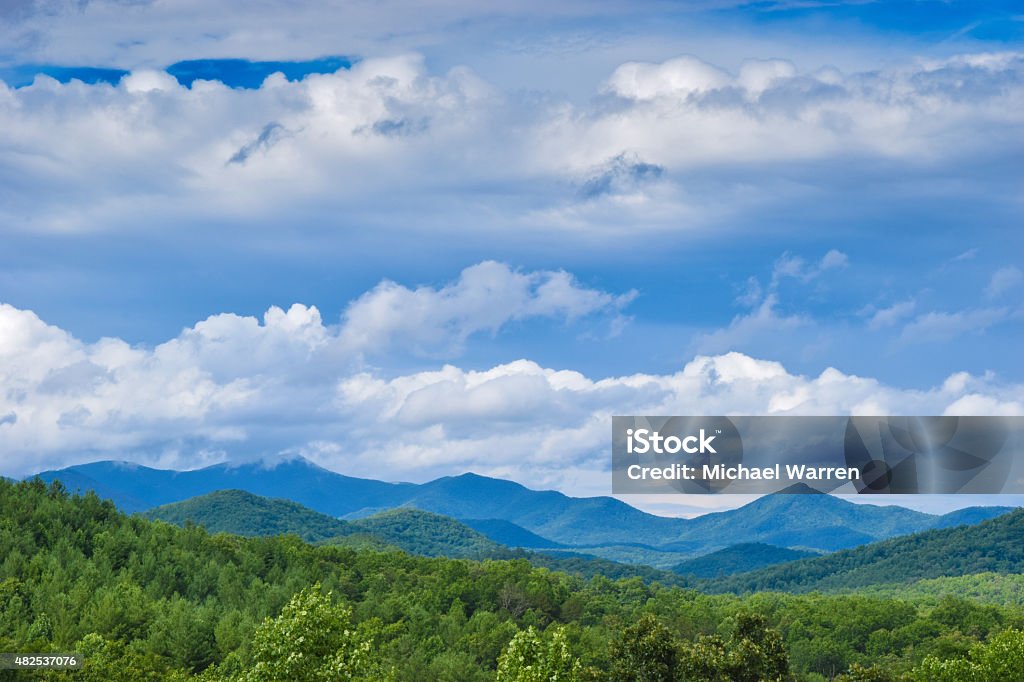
{"x":410,"y":530}
{"x":242,"y":513}
{"x":142,"y":599}
{"x":987,"y":587}
{"x":511,"y":535}
{"x":996,"y":545}
{"x":739,"y":559}
{"x":421,"y":532}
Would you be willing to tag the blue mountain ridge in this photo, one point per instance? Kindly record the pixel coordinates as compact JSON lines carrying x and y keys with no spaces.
{"x":815,"y":522}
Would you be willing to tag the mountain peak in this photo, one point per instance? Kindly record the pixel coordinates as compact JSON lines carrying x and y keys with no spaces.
{"x":477,"y":481}
{"x":799,"y":488}
{"x":268,"y":464}
{"x":469,"y":476}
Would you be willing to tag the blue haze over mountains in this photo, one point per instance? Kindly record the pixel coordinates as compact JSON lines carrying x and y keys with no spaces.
{"x":517,"y":516}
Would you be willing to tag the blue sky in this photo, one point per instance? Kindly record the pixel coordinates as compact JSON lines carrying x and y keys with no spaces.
{"x":539,"y":214}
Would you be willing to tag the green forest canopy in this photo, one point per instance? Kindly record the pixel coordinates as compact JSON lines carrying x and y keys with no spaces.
{"x":142,"y":599}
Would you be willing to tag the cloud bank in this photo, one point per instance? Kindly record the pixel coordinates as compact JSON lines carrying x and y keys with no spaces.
{"x":236,"y":387}
{"x":331,"y":149}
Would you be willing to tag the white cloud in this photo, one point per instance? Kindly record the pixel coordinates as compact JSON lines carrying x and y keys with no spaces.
{"x":683,"y":113}
{"x":115,"y":153}
{"x":751,"y":293}
{"x":887,"y":317}
{"x":756,"y":75}
{"x":832,"y":260}
{"x":795,"y":267}
{"x":984,"y":405}
{"x":763,"y":321}
{"x":147,"y":33}
{"x":1004,"y":280}
{"x":765,"y":324}
{"x":969,"y":254}
{"x":943,"y":326}
{"x":549,"y":427}
{"x":485,"y":298}
{"x":69,"y":396}
{"x":679,"y":77}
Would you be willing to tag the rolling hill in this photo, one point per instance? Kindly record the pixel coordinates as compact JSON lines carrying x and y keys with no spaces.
{"x":510,"y":534}
{"x":241,"y":513}
{"x":410,"y":530}
{"x":428,"y":534}
{"x":740,"y":558}
{"x":995,"y":545}
{"x":1003,"y":589}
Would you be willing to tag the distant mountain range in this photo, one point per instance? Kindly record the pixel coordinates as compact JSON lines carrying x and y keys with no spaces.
{"x":510,"y":514}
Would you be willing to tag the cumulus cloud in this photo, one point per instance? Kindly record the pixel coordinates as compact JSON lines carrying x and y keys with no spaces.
{"x":229,"y":373}
{"x":686,"y":113}
{"x":139,"y":148}
{"x":237,"y":387}
{"x":679,"y":77}
{"x":485,"y":298}
{"x":550,"y":426}
{"x":62,"y":395}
